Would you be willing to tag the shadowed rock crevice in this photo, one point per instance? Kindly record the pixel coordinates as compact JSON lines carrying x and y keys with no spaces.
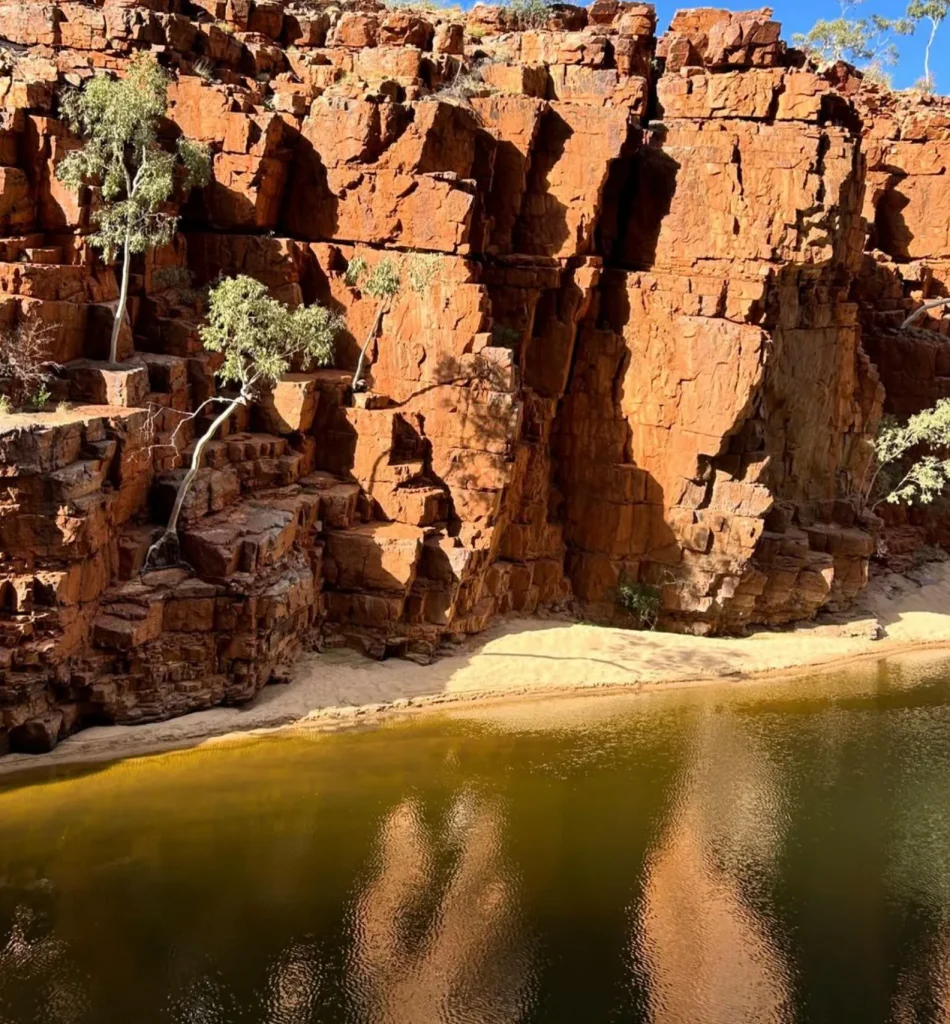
{"x":638,"y":355}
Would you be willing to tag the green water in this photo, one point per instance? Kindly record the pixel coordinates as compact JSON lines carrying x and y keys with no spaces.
{"x":767,"y":853}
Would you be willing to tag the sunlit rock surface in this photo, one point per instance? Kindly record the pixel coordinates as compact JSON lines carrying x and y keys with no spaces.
{"x":653,"y":348}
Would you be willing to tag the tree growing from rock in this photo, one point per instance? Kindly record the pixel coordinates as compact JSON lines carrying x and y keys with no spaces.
{"x":913,"y":458}
{"x":135,"y":177}
{"x":934,"y":11}
{"x":260,"y":339}
{"x":865,"y":42}
{"x":384,"y":282}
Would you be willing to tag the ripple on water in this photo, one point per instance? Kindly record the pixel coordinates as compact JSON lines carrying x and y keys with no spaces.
{"x":768,"y":853}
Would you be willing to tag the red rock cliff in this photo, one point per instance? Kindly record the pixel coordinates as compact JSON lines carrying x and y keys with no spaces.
{"x":641,"y":355}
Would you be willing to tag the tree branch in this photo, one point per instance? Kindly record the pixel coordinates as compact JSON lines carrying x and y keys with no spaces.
{"x":186,"y":418}
{"x":930,"y":304}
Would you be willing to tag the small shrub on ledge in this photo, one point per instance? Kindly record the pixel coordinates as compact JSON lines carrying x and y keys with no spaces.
{"x":25,"y":372}
{"x":640,"y":602}
{"x":383,"y":283}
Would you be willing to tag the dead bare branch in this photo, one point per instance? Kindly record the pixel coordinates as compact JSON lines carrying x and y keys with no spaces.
{"x":25,"y":369}
{"x":918,"y":313}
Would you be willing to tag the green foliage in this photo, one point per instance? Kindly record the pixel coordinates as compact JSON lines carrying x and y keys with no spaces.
{"x":864,"y":42}
{"x":195,"y":158}
{"x":383,"y":283}
{"x":383,"y":280}
{"x":6,"y":406}
{"x":355,"y":270}
{"x":931,"y":10}
{"x":904,"y":474}
{"x":529,"y":13}
{"x":445,"y":11}
{"x":39,"y":398}
{"x":172,"y":277}
{"x":386,"y":278}
{"x":421,"y":270}
{"x":117,"y":120}
{"x":640,"y":601}
{"x":260,"y":337}
{"x":180,"y":280}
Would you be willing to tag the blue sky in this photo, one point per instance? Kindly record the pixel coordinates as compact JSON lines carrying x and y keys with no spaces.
{"x":800,"y":15}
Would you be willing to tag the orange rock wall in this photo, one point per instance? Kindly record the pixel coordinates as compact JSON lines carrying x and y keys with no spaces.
{"x":907,"y":260}
{"x":640,"y":356}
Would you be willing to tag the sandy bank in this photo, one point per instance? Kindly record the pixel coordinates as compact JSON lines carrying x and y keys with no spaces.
{"x":545,"y":656}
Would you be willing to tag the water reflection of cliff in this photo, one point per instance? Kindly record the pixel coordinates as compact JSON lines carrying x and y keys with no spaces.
{"x":455,"y":951}
{"x":706,"y":952}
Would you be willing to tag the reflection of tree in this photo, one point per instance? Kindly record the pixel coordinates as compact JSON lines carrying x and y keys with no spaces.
{"x":36,"y":971}
{"x":421,"y":953}
{"x":204,"y":1000}
{"x":707,"y":954}
{"x":293,"y":985}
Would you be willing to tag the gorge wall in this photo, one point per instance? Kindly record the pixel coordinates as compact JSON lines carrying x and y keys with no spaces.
{"x":653,"y":349}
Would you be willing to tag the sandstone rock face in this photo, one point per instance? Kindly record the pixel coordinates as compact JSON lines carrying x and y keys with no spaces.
{"x":908,"y":260}
{"x":643,"y":354}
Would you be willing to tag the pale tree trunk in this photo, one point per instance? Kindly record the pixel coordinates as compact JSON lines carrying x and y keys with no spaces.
{"x":373,"y":331}
{"x":123,"y":301}
{"x":165,"y":550}
{"x":933,"y":31}
{"x":928,"y":305}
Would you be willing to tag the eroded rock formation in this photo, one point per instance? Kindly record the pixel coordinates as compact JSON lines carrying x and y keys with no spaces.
{"x":641,"y":356}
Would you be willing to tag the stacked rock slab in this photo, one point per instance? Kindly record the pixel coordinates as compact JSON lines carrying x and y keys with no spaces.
{"x":907,"y":141}
{"x":638,"y":358}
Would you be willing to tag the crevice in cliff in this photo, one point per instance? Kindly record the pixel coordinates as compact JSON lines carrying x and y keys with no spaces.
{"x":686,"y":414}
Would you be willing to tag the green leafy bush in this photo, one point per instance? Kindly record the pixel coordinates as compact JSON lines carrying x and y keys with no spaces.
{"x":912,"y":458}
{"x":640,"y":601}
{"x":529,"y":13}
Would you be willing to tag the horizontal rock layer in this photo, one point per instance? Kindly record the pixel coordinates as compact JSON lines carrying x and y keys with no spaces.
{"x":643,"y":356}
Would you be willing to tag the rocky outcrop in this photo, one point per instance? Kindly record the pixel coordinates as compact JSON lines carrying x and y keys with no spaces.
{"x":643,"y":355}
{"x":907,"y":141}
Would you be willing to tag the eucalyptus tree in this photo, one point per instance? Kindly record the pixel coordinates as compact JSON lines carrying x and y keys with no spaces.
{"x":913,"y":458}
{"x":260,"y":339}
{"x":865,"y":42}
{"x":934,"y":11}
{"x":383,"y":283}
{"x":122,"y":158}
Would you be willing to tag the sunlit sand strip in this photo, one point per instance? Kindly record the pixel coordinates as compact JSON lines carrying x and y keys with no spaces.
{"x":543,"y":657}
